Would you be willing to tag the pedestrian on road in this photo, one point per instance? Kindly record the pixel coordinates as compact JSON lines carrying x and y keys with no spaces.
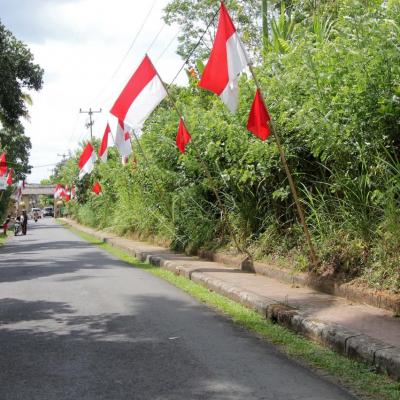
{"x":5,"y":224}
{"x":24,"y":222}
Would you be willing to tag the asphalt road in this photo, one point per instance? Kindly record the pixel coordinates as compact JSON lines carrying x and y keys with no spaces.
{"x":75,"y":323}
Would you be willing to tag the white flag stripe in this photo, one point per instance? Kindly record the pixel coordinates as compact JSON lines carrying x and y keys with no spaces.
{"x":122,"y":143}
{"x":147,"y":100}
{"x":237,"y":62}
{"x":89,"y":165}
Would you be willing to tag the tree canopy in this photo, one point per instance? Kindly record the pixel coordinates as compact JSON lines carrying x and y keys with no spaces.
{"x":18,"y":72}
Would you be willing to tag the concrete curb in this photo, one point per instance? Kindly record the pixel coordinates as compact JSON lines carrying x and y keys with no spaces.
{"x":356,"y":345}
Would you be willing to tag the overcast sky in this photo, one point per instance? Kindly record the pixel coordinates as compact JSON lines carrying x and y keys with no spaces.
{"x":80,"y":44}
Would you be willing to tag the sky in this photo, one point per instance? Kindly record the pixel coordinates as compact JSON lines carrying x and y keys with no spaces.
{"x":88,"y":51}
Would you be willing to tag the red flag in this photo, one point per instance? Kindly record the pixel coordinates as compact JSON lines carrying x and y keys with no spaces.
{"x":182,"y":137}
{"x":96,"y":188}
{"x":258,"y":122}
{"x":3,"y":165}
{"x":104,"y":144}
{"x":141,"y":95}
{"x":9,"y":177}
{"x":227,"y":60}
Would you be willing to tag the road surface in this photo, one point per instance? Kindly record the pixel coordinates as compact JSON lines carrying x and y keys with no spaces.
{"x":76,"y":323}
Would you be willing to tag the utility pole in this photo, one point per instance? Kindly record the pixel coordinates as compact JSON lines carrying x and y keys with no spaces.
{"x":91,"y":122}
{"x":64,"y":156}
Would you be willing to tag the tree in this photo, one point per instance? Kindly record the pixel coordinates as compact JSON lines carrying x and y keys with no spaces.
{"x":17,"y":145}
{"x":17,"y":72}
{"x":193,"y":18}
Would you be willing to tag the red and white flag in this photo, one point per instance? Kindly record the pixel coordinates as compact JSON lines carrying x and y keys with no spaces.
{"x":123,"y":140}
{"x":227,"y":60}
{"x":183,"y":136}
{"x":259,"y":119}
{"x":97,"y":188}
{"x":104,"y":144}
{"x":58,"y":191}
{"x":87,"y":160}
{"x":141,"y":95}
{"x":9,"y":177}
{"x":3,"y":164}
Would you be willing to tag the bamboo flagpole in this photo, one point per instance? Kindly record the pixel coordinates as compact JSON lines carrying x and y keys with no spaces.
{"x":289,"y":175}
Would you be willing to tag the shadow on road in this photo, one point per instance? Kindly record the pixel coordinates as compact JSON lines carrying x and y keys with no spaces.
{"x":161,"y":349}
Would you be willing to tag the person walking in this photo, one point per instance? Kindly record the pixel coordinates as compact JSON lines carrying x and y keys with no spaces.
{"x":24,"y":222}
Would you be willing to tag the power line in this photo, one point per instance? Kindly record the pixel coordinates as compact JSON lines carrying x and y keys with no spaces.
{"x":168,"y":46}
{"x":195,"y":46}
{"x":155,"y":38}
{"x":127,"y":52}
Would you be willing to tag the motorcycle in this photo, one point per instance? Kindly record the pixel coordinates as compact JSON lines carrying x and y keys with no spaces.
{"x":17,"y":227}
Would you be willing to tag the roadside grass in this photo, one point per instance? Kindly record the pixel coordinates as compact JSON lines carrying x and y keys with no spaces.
{"x":356,"y":376}
{"x":3,"y":238}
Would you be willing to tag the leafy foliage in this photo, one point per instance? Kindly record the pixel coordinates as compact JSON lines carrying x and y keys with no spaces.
{"x":17,"y":72}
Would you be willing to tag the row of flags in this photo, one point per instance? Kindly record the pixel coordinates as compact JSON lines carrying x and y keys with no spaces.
{"x":67,"y":193}
{"x":6,"y":178}
{"x":6,"y":175}
{"x":145,"y":90}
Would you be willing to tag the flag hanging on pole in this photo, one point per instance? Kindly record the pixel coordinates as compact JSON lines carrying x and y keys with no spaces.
{"x":3,"y":164}
{"x":9,"y":177}
{"x":183,"y":137}
{"x":104,"y":144}
{"x":123,"y":140}
{"x":97,"y":188}
{"x":141,"y":95}
{"x":227,"y":60}
{"x":259,"y":119}
{"x":58,"y":191}
{"x":86,"y":161}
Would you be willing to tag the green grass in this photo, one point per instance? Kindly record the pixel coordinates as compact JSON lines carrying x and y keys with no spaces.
{"x":356,"y":376}
{"x":3,"y":238}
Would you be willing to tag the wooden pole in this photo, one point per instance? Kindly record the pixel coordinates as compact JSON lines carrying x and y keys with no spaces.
{"x":314,"y":258}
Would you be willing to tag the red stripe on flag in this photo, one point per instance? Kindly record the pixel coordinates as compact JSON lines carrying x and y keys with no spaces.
{"x":85,"y":156}
{"x":9,"y":177}
{"x":216,"y":76}
{"x":97,"y":188}
{"x":183,"y":137}
{"x":142,"y":76}
{"x":258,"y":122}
{"x":104,"y":141}
{"x":3,"y":164}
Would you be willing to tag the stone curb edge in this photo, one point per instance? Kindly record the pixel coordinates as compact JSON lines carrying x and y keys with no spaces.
{"x":384,"y":357}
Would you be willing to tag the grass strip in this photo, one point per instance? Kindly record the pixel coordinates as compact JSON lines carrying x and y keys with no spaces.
{"x":355,"y":375}
{"x":3,"y":238}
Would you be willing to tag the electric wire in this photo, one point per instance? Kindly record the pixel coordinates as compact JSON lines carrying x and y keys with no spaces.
{"x":195,"y":47}
{"x":127,"y":52}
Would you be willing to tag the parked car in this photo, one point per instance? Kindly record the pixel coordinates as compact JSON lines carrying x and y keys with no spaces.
{"x":48,"y":212}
